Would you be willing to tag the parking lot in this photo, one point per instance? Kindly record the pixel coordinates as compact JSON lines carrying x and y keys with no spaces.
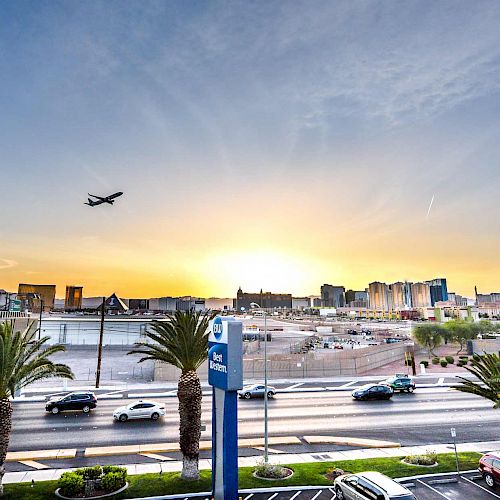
{"x":467,"y":487}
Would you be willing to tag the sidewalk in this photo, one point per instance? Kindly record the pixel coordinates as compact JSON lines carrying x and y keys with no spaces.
{"x":293,"y":458}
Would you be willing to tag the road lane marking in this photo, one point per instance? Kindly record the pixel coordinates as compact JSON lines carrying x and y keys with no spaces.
{"x":441,"y":381}
{"x":479,"y":486}
{"x":294,"y":386}
{"x":271,"y":450}
{"x":347,"y":385}
{"x":112,"y":393}
{"x":35,"y":465}
{"x":296,"y":494}
{"x":317,"y":495}
{"x":248,"y":496}
{"x":433,"y":489}
{"x":155,"y":456}
{"x":272,"y":496}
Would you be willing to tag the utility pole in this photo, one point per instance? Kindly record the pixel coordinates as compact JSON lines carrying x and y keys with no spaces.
{"x":99,"y":352}
{"x":40,"y":320}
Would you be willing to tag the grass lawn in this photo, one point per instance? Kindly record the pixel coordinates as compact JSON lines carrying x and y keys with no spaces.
{"x":304,"y":474}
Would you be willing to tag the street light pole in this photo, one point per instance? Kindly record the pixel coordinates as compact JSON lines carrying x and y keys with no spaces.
{"x":99,"y":349}
{"x":266,"y":399}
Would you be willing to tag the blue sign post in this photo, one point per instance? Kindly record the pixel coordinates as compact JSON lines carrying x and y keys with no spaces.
{"x":225,"y":375}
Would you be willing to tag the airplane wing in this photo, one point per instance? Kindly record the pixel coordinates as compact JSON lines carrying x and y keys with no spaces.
{"x":98,"y":197}
{"x":93,"y":203}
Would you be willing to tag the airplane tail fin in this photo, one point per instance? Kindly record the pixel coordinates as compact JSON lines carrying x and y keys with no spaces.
{"x":90,"y":203}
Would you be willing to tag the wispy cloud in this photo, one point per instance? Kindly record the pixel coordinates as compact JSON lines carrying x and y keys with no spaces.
{"x":7,"y":263}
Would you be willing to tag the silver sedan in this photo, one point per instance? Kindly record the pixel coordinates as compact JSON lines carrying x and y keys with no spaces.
{"x":256,"y":391}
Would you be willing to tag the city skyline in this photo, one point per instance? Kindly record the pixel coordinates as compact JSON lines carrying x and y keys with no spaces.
{"x":264,"y":145}
{"x":71,"y":288}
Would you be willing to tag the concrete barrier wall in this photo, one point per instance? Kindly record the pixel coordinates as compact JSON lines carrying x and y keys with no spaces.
{"x":489,"y":346}
{"x":316,"y":364}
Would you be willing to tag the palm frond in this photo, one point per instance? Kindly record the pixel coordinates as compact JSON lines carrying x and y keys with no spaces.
{"x":486,"y":368}
{"x":25,"y":359}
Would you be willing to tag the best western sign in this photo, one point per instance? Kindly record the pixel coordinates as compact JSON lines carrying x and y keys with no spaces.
{"x":225,"y":364}
{"x":225,"y":375}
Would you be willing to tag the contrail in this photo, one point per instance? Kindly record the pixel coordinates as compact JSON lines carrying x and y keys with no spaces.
{"x":430,"y":206}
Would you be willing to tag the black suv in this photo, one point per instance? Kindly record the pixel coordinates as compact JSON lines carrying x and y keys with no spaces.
{"x":83,"y":401}
{"x":372,"y":391}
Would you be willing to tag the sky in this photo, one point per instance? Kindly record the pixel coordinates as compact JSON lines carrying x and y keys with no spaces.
{"x":275,"y":145}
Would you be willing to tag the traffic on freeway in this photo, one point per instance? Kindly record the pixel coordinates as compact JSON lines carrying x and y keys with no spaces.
{"x":410,"y":419}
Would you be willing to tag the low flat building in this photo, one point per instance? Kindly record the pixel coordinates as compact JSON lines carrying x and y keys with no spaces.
{"x":300,"y":303}
{"x":266,"y":300}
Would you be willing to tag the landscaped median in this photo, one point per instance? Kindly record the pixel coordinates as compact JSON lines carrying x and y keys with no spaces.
{"x":312,"y":474}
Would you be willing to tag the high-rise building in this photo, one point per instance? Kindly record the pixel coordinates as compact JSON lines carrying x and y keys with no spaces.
{"x":356,"y":298}
{"x":398,"y":296}
{"x":74,"y":298}
{"x":421,"y":295}
{"x":33,"y":295}
{"x":401,"y":295}
{"x":438,"y":290}
{"x":266,"y":300}
{"x":379,"y":296}
{"x":332,"y":296}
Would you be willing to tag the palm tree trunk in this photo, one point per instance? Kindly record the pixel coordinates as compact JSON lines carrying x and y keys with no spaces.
{"x":5,"y":426}
{"x":189,"y":394}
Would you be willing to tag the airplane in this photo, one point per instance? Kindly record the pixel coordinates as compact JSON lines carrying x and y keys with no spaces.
{"x":106,"y":199}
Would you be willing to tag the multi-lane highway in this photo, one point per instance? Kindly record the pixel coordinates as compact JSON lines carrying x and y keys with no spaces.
{"x":424,"y":417}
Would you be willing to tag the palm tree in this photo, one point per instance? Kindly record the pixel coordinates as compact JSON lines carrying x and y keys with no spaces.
{"x":182,"y":341}
{"x":486,"y":368}
{"x":23,"y":360}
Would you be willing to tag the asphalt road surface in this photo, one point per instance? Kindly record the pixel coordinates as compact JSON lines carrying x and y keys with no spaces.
{"x":424,"y":417}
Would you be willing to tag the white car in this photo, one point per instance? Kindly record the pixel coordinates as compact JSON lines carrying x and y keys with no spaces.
{"x":140,"y":409}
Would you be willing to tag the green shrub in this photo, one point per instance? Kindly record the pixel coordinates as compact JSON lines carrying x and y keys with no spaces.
{"x":270,"y":471}
{"x":114,"y":468}
{"x":461,"y":362}
{"x":94,"y":472}
{"x":425,"y":363}
{"x":71,"y":484}
{"x":429,"y":458}
{"x":112,"y":481}
{"x":444,"y":363}
{"x":435,"y":361}
{"x":450,"y":359}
